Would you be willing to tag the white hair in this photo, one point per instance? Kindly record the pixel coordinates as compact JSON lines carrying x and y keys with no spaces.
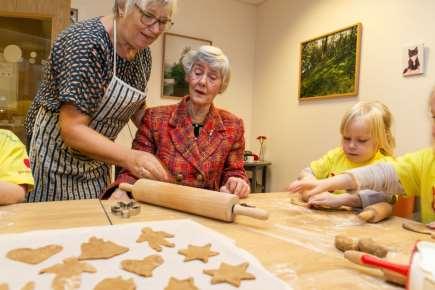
{"x":211,"y":55}
{"x":126,"y":5}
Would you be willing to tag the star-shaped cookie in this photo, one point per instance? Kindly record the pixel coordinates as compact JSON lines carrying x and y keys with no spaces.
{"x":116,"y":283}
{"x":68,"y":272}
{"x":230,"y":274}
{"x":100,"y":249}
{"x":155,"y":239}
{"x":144,"y":267}
{"x":186,"y":284}
{"x":197,"y":253}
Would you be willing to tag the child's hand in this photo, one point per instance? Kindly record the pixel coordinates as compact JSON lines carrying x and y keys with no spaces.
{"x":313,"y":187}
{"x":305,"y":185}
{"x":329,"y":200}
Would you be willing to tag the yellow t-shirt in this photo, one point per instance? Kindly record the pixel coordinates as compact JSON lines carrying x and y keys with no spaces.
{"x":335,"y":162}
{"x":416,"y":172}
{"x":14,"y":162}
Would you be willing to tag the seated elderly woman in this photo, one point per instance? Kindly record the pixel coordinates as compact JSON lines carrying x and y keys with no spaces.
{"x":199,"y":144}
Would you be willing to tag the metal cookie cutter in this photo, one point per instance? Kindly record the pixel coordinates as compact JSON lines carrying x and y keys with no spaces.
{"x":126,"y":209}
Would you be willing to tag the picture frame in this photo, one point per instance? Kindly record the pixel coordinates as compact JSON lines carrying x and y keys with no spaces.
{"x":174,"y":84}
{"x":413,"y":60}
{"x":329,"y":64}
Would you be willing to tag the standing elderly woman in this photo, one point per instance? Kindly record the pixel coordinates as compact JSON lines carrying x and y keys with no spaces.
{"x":199,"y":144}
{"x":95,"y":81}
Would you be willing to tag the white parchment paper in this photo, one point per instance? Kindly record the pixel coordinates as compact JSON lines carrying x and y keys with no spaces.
{"x":186,"y":232}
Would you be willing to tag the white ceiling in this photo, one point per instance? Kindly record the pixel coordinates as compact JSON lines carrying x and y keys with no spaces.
{"x":254,"y":2}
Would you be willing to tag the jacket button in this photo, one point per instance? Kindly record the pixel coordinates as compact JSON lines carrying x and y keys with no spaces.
{"x":199,"y":177}
{"x":179,"y":177}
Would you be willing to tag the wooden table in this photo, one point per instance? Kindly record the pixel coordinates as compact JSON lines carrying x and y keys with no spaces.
{"x":51,"y":215}
{"x":296,"y":244}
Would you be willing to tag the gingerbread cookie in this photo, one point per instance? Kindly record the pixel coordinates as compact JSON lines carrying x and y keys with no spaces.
{"x":186,"y":284}
{"x":33,"y":256}
{"x":116,"y":283}
{"x":230,"y":274}
{"x":155,"y":239}
{"x":144,"y":267}
{"x":100,"y":249}
{"x":197,"y":253}
{"x":68,"y":273}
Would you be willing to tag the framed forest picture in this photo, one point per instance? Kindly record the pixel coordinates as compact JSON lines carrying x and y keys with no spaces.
{"x":329,"y":64}
{"x":173,"y":77}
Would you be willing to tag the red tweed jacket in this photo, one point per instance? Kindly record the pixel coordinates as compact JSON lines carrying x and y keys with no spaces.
{"x":205,"y":162}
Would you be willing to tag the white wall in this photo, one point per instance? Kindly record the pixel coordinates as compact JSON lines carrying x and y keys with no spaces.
{"x":228,"y":24}
{"x":300,"y":132}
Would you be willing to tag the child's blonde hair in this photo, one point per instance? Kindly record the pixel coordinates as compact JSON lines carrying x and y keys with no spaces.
{"x":380,"y":121}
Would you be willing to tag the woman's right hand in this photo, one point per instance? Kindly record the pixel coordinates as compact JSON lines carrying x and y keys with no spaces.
{"x":119,"y":195}
{"x":145,"y":165}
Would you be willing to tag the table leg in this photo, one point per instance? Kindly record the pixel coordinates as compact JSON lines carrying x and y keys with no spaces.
{"x":263,"y":179}
{"x":254,"y":179}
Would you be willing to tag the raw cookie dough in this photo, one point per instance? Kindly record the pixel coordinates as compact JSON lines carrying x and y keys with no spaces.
{"x":100,"y":249}
{"x":197,"y":253}
{"x":155,"y":239}
{"x":144,"y":267}
{"x":230,"y":274}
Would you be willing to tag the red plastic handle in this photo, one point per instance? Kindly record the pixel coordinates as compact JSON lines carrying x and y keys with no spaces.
{"x":398,"y":268}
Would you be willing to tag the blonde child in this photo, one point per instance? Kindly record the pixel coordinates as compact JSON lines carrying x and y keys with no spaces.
{"x":413,"y":173}
{"x":15,"y":175}
{"x":366,"y":139}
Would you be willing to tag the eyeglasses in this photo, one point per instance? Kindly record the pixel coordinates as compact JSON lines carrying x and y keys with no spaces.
{"x":149,"y":19}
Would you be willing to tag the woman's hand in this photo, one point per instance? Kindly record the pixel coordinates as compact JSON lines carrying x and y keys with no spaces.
{"x":119,"y":195}
{"x":237,"y":186}
{"x":145,"y":165}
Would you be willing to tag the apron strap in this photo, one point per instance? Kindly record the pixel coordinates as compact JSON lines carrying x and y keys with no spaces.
{"x":114,"y":46}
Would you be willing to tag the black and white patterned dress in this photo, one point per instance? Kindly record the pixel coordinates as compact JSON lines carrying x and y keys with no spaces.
{"x":80,"y":71}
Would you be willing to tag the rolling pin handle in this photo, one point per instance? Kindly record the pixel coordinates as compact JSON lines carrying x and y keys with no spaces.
{"x":126,"y":187}
{"x":253,"y":212}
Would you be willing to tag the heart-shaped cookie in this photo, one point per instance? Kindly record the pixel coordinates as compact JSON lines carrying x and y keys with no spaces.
{"x":33,"y":256}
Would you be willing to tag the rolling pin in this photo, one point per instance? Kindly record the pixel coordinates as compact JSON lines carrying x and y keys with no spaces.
{"x":208,"y":203}
{"x":393,"y":272}
{"x":376,"y":212}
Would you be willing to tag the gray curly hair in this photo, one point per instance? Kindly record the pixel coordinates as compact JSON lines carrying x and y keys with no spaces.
{"x":211,"y":55}
{"x":126,"y":5}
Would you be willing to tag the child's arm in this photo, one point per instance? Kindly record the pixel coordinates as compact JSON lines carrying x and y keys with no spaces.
{"x":11,"y":193}
{"x":380,"y":177}
{"x":327,"y":199}
{"x":369,"y":197}
{"x":361,"y":200}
